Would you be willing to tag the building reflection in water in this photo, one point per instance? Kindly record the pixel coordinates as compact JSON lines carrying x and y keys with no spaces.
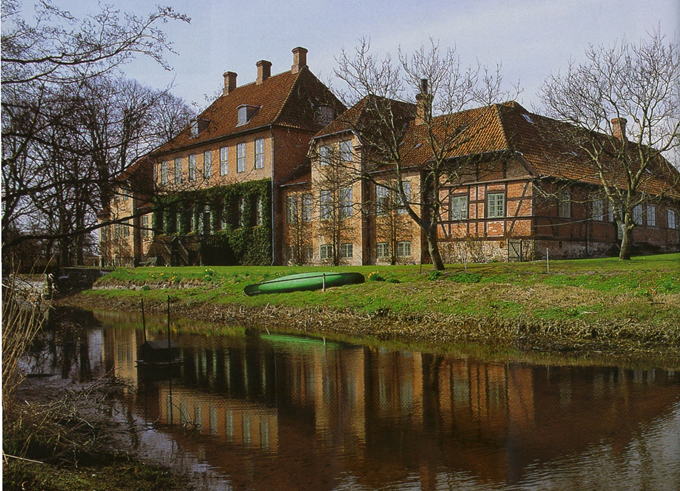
{"x":277,"y":412}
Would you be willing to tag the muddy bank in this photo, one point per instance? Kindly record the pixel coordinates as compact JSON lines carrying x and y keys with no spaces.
{"x":629,"y":340}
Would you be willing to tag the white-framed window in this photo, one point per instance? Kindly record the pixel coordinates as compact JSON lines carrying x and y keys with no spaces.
{"x":495,"y":205}
{"x":459,"y":207}
{"x":598,"y":209}
{"x":346,"y":151}
{"x":406,"y":185}
{"x":637,"y":214}
{"x":144,"y":224}
{"x":224,"y":161}
{"x":404,"y":248}
{"x":564,"y":204}
{"x":194,"y":128}
{"x":258,"y":210}
{"x":241,"y":212}
{"x":242,"y":115}
{"x":325,"y":114}
{"x":325,"y":251}
{"x":325,"y":153}
{"x":259,"y":153}
{"x":651,"y":215}
{"x":307,"y":207}
{"x":345,"y":202}
{"x":241,"y":157}
{"x":346,"y":251}
{"x":325,"y":202}
{"x":672,"y":219}
{"x":382,"y":196}
{"x":382,"y":249}
{"x":192,"y":167}
{"x":178,"y":170}
{"x":164,"y":172}
{"x":207,"y":164}
{"x":291,"y":209}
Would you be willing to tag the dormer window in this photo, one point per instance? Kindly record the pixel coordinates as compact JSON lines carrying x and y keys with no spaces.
{"x":325,"y":114}
{"x":246,"y":113}
{"x":197,"y":126}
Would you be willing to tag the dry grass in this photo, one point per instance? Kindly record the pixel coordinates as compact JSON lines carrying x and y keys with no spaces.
{"x":22,"y":318}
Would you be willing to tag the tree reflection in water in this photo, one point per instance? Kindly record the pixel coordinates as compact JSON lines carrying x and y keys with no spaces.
{"x":279,"y":412}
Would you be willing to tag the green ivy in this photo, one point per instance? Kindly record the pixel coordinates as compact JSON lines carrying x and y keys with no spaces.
{"x":242,"y":241}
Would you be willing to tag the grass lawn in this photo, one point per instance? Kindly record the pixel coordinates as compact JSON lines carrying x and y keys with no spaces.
{"x":645,"y":289}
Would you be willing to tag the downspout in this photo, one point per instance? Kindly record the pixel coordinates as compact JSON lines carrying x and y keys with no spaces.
{"x":271,"y":129}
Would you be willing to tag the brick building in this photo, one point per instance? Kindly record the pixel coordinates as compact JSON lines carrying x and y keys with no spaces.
{"x":215,"y":182}
{"x":278,"y":172}
{"x":525,"y":194}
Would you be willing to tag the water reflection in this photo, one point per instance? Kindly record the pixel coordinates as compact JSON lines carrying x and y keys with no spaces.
{"x":275,"y":412}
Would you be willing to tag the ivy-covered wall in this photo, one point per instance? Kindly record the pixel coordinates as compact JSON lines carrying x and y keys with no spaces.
{"x":233,"y":223}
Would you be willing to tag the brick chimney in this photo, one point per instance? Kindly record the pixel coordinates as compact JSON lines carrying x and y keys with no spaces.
{"x":424,"y":103}
{"x":299,"y":59}
{"x":264,"y":71}
{"x":229,"y":82}
{"x":619,"y":128}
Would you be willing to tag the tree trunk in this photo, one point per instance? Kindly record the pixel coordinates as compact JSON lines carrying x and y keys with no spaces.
{"x":626,"y":243}
{"x":433,"y":249}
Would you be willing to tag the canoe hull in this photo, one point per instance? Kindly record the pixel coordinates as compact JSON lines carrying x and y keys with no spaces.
{"x":303,"y":282}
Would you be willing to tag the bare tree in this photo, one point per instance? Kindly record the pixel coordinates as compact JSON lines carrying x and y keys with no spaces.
{"x":435,"y":86}
{"x":70,"y":123}
{"x":631,"y":92}
{"x":336,"y":204}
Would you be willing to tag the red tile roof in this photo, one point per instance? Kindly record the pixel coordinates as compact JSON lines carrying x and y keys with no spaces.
{"x":287,"y":99}
{"x":508,"y":127}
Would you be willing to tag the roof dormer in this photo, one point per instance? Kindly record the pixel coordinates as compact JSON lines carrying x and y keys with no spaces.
{"x":246,"y":113}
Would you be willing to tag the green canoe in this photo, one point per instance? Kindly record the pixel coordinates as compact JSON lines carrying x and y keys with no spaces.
{"x":303,"y":282}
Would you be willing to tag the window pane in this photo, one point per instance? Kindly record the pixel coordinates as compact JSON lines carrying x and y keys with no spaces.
{"x":291,"y":209}
{"x":207,"y":165}
{"x":407,"y":193}
{"x":382,"y":249}
{"x":325,"y":154}
{"x":495,"y":205}
{"x":345,"y":202}
{"x":404,"y":249}
{"x":259,"y":153}
{"x":178,"y":171}
{"x":459,"y":208}
{"x":241,"y":157}
{"x":307,"y":208}
{"x":651,"y":215}
{"x":164,"y":172}
{"x":325,"y":210}
{"x":381,"y":200}
{"x":224,"y":161}
{"x":345,"y":151}
{"x":192,"y":167}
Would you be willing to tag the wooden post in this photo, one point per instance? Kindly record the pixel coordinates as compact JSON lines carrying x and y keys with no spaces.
{"x":547,"y":260}
{"x":168,"y":321}
{"x":143,"y":321}
{"x":324,"y":282}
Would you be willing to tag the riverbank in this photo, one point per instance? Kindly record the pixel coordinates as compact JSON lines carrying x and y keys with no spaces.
{"x":581,"y":307}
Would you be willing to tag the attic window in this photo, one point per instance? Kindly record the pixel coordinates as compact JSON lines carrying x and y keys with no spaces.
{"x":246,"y":113}
{"x":528,"y":118}
{"x":325,"y":114}
{"x":197,"y":126}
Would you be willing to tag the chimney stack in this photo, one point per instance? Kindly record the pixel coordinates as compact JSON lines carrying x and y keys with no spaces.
{"x":619,"y":128}
{"x":299,"y":59}
{"x":229,"y":82}
{"x":264,"y":71}
{"x":424,"y":103}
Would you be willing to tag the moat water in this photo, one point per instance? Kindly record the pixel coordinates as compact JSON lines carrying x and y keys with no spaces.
{"x":259,"y":411}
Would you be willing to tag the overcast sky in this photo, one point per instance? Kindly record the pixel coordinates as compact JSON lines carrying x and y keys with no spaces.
{"x":530,"y":38}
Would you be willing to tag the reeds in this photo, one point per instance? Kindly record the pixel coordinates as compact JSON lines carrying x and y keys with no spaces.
{"x":22,"y":318}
